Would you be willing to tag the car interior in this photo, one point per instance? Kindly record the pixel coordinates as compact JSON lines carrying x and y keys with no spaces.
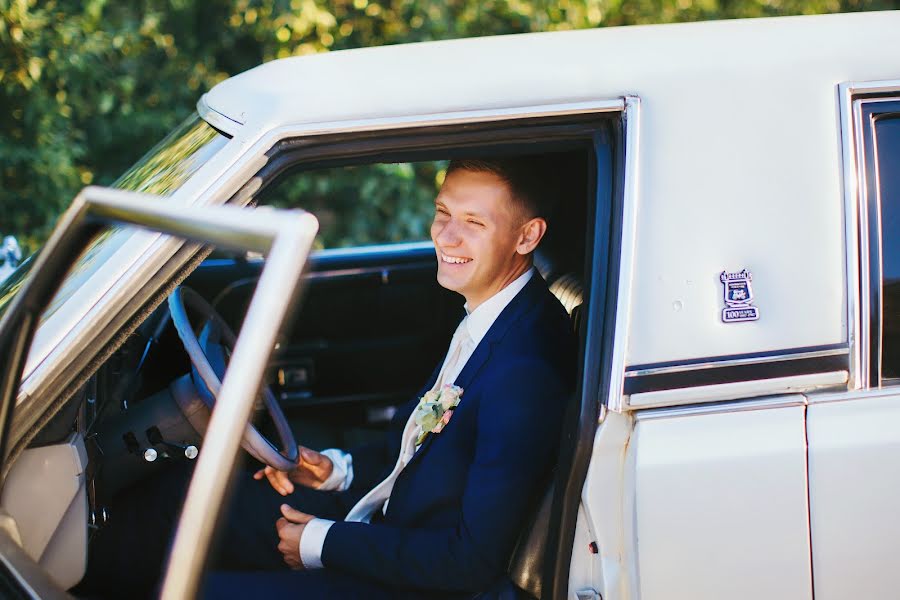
{"x":371,"y":325}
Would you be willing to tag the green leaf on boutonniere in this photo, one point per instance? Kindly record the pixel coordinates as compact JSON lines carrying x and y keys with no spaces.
{"x":435,"y":409}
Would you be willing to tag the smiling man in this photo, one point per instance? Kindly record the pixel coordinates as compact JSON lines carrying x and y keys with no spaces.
{"x":484,"y":231}
{"x":435,"y":508}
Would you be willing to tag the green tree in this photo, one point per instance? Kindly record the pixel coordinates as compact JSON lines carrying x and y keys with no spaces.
{"x":87,"y":87}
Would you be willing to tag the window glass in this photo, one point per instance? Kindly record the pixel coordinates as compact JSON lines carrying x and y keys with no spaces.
{"x":887,"y":149}
{"x":365,"y":204}
{"x":161,"y":171}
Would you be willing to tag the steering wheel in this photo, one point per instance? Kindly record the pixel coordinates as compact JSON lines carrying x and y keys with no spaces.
{"x":209,"y":353}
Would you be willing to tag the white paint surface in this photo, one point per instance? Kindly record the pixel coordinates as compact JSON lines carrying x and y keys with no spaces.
{"x":739,"y":163}
{"x":854,"y":478}
{"x":45,"y":493}
{"x":721,"y":506}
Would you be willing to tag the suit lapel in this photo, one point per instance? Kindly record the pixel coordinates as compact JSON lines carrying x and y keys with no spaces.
{"x":518,"y":306}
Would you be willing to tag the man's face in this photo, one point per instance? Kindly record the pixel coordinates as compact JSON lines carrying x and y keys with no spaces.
{"x":476,"y":233}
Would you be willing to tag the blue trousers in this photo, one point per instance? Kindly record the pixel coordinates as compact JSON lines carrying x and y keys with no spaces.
{"x":127,"y":556}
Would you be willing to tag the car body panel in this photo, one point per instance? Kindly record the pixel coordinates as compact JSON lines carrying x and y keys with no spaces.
{"x":45,"y":493}
{"x":854,"y":489}
{"x":681,"y":240}
{"x":734,"y":480}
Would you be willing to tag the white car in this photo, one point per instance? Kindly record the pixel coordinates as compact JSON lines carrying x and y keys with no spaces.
{"x":727,"y":244}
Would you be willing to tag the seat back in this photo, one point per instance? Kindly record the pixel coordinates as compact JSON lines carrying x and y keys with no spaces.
{"x":526,"y":567}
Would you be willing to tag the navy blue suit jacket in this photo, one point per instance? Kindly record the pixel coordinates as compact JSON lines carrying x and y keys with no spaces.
{"x":457,"y":508}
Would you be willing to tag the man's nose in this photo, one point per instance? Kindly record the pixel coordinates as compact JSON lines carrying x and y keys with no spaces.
{"x":448,"y":234}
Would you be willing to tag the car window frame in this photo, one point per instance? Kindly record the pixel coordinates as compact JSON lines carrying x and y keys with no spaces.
{"x":859,"y":103}
{"x":286,"y":237}
{"x":610,"y":245}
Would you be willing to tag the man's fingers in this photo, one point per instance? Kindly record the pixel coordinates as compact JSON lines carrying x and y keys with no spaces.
{"x":279,"y":481}
{"x":310,"y":456}
{"x":295,"y":516}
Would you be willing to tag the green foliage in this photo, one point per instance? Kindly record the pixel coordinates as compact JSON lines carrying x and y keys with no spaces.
{"x":367,"y":204}
{"x":87,"y":86}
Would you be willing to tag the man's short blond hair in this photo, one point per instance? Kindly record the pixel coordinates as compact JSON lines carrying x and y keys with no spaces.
{"x":527,"y":177}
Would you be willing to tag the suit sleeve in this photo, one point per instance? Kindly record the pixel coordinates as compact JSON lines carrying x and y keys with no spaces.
{"x":519,"y":418}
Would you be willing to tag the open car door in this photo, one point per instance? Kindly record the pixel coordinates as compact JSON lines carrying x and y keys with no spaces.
{"x":285,"y":237}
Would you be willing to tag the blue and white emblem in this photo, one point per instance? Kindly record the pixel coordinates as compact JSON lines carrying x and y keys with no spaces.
{"x":738,"y":296}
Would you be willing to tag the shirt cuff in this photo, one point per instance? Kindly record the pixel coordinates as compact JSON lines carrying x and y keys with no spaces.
{"x":311,"y":542}
{"x":342,"y":474}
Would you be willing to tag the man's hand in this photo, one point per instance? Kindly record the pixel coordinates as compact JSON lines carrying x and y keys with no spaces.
{"x":290,"y":527}
{"x":312,"y":471}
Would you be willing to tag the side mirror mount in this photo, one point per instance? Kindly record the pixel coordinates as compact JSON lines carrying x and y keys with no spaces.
{"x":10,"y":256}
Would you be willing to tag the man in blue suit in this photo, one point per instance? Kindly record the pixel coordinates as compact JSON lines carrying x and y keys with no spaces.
{"x":435,"y":508}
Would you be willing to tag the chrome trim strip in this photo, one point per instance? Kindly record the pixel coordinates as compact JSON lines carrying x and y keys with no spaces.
{"x":885,"y":86}
{"x":850,"y":395}
{"x":862,"y":249}
{"x":616,"y":401}
{"x":875,"y":195}
{"x":383,"y":272}
{"x":398,"y":248}
{"x":438,"y":119}
{"x":716,"y":364}
{"x":355,"y":252}
{"x":738,"y":390}
{"x":720,"y":407}
{"x":856,"y":336}
{"x":217,"y":119}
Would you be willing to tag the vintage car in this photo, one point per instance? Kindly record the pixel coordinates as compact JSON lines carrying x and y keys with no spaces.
{"x":725,"y":242}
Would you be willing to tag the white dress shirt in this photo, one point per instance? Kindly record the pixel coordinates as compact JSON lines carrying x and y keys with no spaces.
{"x":477,"y":323}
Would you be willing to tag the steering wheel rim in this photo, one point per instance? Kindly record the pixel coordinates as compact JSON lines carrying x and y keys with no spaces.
{"x":214,"y":337}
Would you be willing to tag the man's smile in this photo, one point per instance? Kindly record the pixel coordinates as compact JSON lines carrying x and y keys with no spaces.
{"x":454,"y":260}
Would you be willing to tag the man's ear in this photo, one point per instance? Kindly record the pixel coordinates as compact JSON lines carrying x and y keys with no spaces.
{"x":532,"y":233}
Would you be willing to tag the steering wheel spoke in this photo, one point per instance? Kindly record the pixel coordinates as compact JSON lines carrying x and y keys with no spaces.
{"x":209,"y":353}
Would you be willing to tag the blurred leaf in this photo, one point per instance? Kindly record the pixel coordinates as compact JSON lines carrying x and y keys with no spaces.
{"x":86,"y":87}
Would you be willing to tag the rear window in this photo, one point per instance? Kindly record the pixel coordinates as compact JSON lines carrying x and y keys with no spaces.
{"x":887,"y":181}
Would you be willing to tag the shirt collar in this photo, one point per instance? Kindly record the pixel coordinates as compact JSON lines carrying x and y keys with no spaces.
{"x":480,"y":320}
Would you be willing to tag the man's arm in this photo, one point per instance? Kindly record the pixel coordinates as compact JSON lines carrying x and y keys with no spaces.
{"x":334,"y":470}
{"x":518,"y":427}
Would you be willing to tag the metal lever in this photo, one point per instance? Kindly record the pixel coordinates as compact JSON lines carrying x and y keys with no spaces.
{"x":154,"y":436}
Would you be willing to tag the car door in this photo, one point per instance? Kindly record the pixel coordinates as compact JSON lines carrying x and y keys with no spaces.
{"x":697,"y":481}
{"x":285,"y":237}
{"x":854,"y":438}
{"x":373,"y":326}
{"x":375,"y":321}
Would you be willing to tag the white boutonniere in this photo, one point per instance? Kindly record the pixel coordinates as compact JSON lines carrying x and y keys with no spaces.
{"x":435,"y":409}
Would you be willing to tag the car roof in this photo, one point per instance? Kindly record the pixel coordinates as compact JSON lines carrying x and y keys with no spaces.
{"x":672,"y":61}
{"x":739,"y":163}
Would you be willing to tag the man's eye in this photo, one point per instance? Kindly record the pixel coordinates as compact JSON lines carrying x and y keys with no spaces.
{"x":476,"y":223}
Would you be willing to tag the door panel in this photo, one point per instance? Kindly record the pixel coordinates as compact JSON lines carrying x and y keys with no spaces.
{"x":374,"y":324}
{"x":854,"y":480}
{"x":721,"y":505}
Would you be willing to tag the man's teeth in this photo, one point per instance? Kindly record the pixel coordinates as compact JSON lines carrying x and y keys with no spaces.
{"x":455,"y":260}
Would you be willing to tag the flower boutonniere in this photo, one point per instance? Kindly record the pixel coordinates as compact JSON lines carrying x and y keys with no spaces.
{"x":435,"y":409}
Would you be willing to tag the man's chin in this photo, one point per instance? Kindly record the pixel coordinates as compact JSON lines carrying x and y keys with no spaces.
{"x":449,"y":283}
